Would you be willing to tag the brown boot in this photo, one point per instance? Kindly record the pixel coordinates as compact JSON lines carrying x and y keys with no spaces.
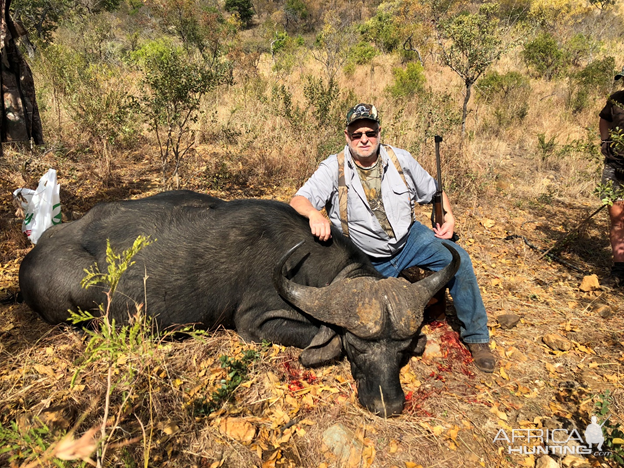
{"x":482,"y":355}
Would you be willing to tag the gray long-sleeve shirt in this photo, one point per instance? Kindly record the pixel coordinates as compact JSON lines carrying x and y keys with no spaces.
{"x":364,"y":229}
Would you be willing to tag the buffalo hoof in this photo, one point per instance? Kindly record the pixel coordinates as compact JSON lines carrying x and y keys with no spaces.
{"x":421,"y":344}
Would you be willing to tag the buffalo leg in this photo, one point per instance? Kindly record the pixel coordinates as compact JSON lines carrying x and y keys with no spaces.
{"x":284,"y":327}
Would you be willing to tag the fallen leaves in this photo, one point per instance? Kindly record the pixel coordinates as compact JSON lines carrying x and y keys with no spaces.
{"x":77,"y":449}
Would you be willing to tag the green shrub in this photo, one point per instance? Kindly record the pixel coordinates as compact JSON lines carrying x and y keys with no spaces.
{"x":173,"y":85}
{"x":297,"y":14}
{"x":285,"y":50}
{"x":595,"y":79}
{"x":408,"y":81}
{"x":382,"y":30}
{"x":244,"y":8}
{"x":506,"y":94}
{"x":321,"y":98}
{"x":362,"y":53}
{"x":579,"y":48}
{"x":544,"y":56}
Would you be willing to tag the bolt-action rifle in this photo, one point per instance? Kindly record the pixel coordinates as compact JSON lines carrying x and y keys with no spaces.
{"x":437,"y":215}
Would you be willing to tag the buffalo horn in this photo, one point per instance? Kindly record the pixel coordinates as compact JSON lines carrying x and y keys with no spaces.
{"x":334,"y":304}
{"x":423,"y":290}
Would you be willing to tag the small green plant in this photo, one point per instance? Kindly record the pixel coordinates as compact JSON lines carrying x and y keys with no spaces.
{"x":322,"y":98}
{"x":545,"y":146}
{"x":408,"y":81}
{"x":617,"y":140}
{"x":282,"y":99}
{"x":237,"y":371}
{"x":107,"y":341}
{"x":26,"y":444}
{"x":613,"y":433}
{"x":117,"y":265}
{"x":607,"y":194}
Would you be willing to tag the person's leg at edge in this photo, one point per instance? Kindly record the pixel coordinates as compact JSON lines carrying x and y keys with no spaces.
{"x":423,"y":249}
{"x":616,"y":215}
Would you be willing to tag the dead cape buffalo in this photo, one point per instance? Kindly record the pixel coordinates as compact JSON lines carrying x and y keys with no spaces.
{"x":233,"y":263}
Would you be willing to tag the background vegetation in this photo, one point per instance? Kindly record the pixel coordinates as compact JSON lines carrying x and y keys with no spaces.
{"x":253,"y":93}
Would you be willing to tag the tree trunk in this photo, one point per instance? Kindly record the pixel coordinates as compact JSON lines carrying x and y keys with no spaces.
{"x":465,"y":108}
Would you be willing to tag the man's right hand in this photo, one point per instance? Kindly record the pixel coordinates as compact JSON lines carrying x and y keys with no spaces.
{"x":320,"y":226}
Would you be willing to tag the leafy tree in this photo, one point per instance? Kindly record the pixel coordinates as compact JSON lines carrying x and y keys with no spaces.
{"x":579,"y":48}
{"x":331,"y":47}
{"x":286,"y":51}
{"x":470,"y":43}
{"x":244,"y":8}
{"x":174,"y":84}
{"x":296,"y":12}
{"x":40,"y":16}
{"x":362,"y":53}
{"x":44,"y":16}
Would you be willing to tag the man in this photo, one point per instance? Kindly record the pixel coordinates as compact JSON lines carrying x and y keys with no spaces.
{"x":382,"y":184}
{"x":612,"y":119}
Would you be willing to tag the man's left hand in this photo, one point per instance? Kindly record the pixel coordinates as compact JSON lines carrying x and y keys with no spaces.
{"x":447,"y":229}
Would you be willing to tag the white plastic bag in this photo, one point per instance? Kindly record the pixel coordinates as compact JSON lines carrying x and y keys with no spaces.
{"x":42,"y":207}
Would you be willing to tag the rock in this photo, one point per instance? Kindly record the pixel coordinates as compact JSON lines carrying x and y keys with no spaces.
{"x":508,"y":320}
{"x":238,"y":429}
{"x":344,"y":444}
{"x":556,"y":342}
{"x":516,"y":355}
{"x":574,"y":461}
{"x":589,"y":283}
{"x":603,"y":310}
{"x":546,"y":462}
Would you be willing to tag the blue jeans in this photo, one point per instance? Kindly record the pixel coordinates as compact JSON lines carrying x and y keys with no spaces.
{"x":424,"y":250}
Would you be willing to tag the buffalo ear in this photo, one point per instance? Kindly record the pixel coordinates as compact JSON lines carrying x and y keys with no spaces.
{"x":325,"y":347}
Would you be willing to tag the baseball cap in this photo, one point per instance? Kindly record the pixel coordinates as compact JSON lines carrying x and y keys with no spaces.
{"x":362,"y":111}
{"x":620,"y":74}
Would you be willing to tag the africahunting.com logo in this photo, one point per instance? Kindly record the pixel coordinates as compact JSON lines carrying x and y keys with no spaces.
{"x":555,"y":441}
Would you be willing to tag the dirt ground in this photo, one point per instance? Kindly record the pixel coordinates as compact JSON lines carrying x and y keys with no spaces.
{"x":285,"y":415}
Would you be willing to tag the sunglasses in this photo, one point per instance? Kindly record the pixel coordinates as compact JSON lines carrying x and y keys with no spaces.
{"x":358,"y":135}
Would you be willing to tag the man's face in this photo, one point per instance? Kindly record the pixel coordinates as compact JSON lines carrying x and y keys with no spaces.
{"x":363,"y":138}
